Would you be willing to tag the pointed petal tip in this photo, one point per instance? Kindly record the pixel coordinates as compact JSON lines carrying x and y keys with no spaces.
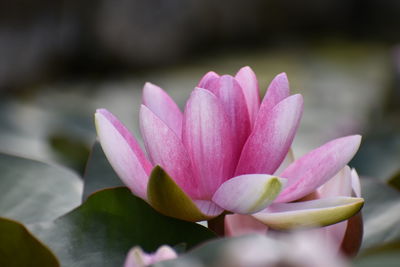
{"x":163,"y":106}
{"x":148,"y":90}
{"x":207,"y":79}
{"x":149,"y":85}
{"x":212,"y":73}
{"x":102,"y":111}
{"x":99,"y":115}
{"x":282,"y":79}
{"x":245,"y":69}
{"x":356,"y":138}
{"x":351,"y":140}
{"x":297,"y":98}
{"x":282,"y":75}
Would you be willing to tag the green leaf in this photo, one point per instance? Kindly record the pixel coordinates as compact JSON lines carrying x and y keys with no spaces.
{"x":98,"y":173}
{"x":19,"y":248}
{"x":381,"y":213}
{"x":32,"y":191}
{"x":102,"y":230}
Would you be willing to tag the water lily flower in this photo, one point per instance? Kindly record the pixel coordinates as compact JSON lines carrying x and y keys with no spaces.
{"x":222,"y":152}
{"x":138,"y":258}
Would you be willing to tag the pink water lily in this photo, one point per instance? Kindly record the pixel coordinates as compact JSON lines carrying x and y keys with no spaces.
{"x":222,"y":153}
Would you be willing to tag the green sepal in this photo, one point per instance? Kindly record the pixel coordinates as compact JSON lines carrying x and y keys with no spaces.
{"x":168,"y":198}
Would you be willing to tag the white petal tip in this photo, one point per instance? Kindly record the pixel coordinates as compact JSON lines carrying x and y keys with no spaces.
{"x":247,"y":194}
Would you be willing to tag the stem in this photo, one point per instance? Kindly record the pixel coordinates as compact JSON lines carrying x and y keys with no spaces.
{"x":217,"y":225}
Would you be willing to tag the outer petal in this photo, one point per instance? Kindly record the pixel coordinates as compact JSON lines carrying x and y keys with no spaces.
{"x":237,"y":224}
{"x":158,"y":101}
{"x":123,"y":152}
{"x":315,"y":168}
{"x":168,"y":198}
{"x":339,"y":185}
{"x":276,"y":92}
{"x":230,"y":94}
{"x":313,"y":213}
{"x":248,"y":81}
{"x":271,"y":138}
{"x":355,"y":183}
{"x":289,"y":159}
{"x":166,"y":149}
{"x":207,"y":137}
{"x":246,"y":194}
{"x":208,"y":79}
{"x":354,"y":232}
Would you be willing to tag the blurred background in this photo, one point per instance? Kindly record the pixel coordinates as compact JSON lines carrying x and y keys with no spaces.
{"x":60,"y":60}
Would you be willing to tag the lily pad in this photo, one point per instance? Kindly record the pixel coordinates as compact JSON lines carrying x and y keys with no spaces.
{"x":32,"y":191}
{"x":19,"y":248}
{"x":103,"y":229}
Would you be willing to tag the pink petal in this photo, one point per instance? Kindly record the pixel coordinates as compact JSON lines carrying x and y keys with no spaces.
{"x":249,"y":193}
{"x":208,"y":208}
{"x":248,"y":81}
{"x":276,"y":92}
{"x":158,"y":101}
{"x":207,"y":137}
{"x":166,"y":149}
{"x":334,"y":234}
{"x":123,"y":152}
{"x":315,"y":168}
{"x":339,"y":185}
{"x":289,"y":159}
{"x":237,"y":224}
{"x":355,"y":183}
{"x":271,"y":138}
{"x":207,"y":79}
{"x":230,"y":94}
